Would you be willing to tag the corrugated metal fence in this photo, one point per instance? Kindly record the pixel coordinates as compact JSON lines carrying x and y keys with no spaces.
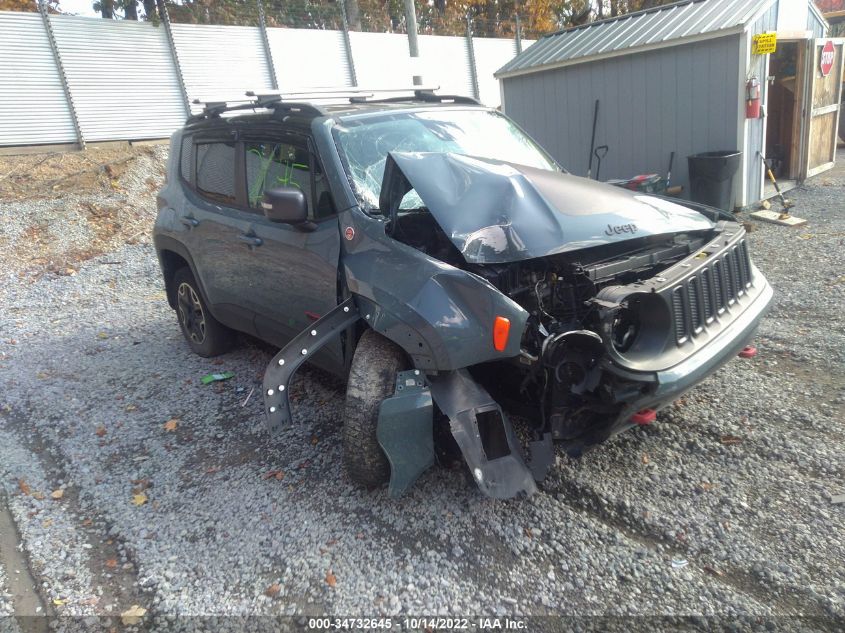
{"x":66,"y":79}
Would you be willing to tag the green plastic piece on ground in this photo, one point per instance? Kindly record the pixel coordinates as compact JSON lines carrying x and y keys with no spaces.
{"x":405,"y":432}
{"x":210,"y":378}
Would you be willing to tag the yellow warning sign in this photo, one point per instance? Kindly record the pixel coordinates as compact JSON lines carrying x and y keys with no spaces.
{"x":764,"y":43}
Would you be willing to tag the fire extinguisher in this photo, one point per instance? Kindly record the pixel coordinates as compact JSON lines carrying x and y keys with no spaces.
{"x":752,"y":98}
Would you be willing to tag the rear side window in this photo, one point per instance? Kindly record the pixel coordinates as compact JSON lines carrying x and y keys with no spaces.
{"x":216,"y":171}
{"x":187,"y":160}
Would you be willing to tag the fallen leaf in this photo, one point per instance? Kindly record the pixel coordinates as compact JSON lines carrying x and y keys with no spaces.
{"x":314,"y":440}
{"x":729,"y":440}
{"x":102,"y":335}
{"x":87,"y":522}
{"x":273,"y":590}
{"x":280,"y":475}
{"x":100,"y":432}
{"x":527,"y":531}
{"x":713,"y":571}
{"x":111,"y":563}
{"x":58,"y":602}
{"x":23,"y":486}
{"x":274,"y":474}
{"x":57,"y":494}
{"x":645,"y":458}
{"x":47,"y":523}
{"x":131,"y":407}
{"x":139,"y":499}
{"x":331,"y":541}
{"x":171,"y":424}
{"x":706,"y":486}
{"x":38,"y":495}
{"x":212,"y":470}
{"x":132,"y":615}
{"x":331,"y":579}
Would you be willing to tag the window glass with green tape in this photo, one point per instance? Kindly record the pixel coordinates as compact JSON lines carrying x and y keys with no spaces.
{"x":271,"y":165}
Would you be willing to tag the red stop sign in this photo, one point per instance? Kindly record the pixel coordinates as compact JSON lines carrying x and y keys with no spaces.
{"x":826,"y":61}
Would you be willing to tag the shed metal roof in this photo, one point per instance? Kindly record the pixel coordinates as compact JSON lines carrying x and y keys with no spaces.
{"x":650,"y":28}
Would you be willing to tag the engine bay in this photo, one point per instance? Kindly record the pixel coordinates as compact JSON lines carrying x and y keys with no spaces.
{"x":558,"y":381}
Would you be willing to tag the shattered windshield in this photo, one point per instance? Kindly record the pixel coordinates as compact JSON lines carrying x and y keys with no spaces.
{"x":364,"y":144}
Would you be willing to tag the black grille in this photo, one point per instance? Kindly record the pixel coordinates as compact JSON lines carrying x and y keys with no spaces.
{"x":729,"y":270}
{"x":719,"y":286}
{"x":694,"y":311}
{"x":706,"y":289}
{"x":708,"y":293}
{"x":680,"y":316}
{"x":744,"y":263}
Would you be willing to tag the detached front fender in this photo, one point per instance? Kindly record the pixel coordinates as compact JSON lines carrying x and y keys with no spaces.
{"x":440,"y":315}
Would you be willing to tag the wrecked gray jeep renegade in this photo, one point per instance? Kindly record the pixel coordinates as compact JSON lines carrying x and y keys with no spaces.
{"x":429,"y":251}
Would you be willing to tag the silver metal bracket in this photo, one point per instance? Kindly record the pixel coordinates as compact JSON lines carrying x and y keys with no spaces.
{"x":281,"y":369}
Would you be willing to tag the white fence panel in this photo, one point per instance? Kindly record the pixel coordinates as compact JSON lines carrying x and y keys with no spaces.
{"x":445,"y":63}
{"x":490,"y":55}
{"x":382,"y":60}
{"x":221,"y":62}
{"x":121,"y":77}
{"x":309,"y":58}
{"x":33,"y":108}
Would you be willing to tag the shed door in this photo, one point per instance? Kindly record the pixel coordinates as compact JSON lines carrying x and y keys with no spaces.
{"x":822,"y":117}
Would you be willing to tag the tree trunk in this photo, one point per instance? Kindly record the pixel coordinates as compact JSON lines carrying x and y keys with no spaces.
{"x":353,"y":15}
{"x":130,"y":8}
{"x":150,"y":8}
{"x":107,"y":9}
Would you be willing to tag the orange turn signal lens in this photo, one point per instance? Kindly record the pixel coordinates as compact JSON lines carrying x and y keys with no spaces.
{"x":501,"y":330}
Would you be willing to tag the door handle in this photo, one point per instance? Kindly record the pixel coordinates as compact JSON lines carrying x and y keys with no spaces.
{"x":252,"y":240}
{"x":189,"y":222}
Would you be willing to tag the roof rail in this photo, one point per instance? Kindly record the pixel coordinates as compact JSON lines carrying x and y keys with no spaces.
{"x":272,"y":101}
{"x":303,"y":101}
{"x":420,"y":94}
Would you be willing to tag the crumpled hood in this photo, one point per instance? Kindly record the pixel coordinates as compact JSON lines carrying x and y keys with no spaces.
{"x":497,"y":212}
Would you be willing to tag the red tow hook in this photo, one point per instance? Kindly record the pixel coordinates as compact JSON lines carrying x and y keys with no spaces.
{"x":644,"y":417}
{"x":749,"y":351}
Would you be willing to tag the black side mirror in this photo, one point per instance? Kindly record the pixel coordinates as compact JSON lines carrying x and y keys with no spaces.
{"x":285,"y":204}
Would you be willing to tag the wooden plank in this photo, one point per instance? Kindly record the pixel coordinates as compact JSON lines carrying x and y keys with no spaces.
{"x":822,"y":133}
{"x":820,"y":169}
{"x":775,"y":218}
{"x":833,"y":107}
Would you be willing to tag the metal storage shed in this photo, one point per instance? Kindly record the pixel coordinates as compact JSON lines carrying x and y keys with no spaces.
{"x":674,"y":78}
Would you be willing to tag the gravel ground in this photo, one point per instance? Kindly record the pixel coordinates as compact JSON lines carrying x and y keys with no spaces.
{"x":721,"y":508}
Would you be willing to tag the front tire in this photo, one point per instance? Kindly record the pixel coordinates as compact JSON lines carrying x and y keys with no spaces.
{"x":372,"y":378}
{"x":205,"y":335}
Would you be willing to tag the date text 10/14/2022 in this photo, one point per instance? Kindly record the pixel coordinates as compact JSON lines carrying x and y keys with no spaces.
{"x":420,"y":623}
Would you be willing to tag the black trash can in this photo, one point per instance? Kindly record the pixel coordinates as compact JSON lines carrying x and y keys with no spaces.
{"x":711,"y":178}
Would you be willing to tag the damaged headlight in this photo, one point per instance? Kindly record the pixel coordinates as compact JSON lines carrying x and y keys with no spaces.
{"x":625,"y":329}
{"x":640,"y":326}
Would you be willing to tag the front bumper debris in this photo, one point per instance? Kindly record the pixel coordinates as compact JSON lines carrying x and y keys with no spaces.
{"x":280,"y":371}
{"x":484,"y":435}
{"x":405,"y":432}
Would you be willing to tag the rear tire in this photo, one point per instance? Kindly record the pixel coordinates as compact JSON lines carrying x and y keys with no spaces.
{"x":205,"y":335}
{"x":372,"y":378}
